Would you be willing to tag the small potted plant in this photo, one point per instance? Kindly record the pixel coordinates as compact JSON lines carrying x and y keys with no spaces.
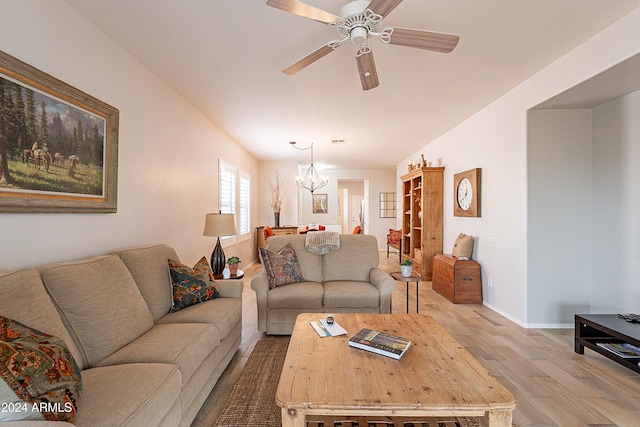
{"x":234,"y":263}
{"x":406,"y":267}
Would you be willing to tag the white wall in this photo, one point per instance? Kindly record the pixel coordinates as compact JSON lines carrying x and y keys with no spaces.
{"x":559,"y":215}
{"x":496,"y":139}
{"x":168,"y":151}
{"x":287,"y":171}
{"x":616,"y":202}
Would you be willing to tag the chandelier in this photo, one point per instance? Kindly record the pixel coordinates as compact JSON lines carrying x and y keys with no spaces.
{"x":311,"y":179}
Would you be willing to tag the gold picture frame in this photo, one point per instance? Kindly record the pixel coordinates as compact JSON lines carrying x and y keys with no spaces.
{"x":58,"y":145}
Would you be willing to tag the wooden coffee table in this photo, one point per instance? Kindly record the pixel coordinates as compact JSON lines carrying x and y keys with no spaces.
{"x":437,"y":377}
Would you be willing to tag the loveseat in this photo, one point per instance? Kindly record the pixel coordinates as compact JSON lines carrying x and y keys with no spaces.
{"x":343,"y":280}
{"x":142,"y":362}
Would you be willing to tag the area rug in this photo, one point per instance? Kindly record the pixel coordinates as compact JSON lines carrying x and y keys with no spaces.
{"x":252,"y":399}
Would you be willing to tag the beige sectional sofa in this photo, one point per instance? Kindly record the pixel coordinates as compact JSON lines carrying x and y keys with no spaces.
{"x":141,"y":365}
{"x":344,"y":280}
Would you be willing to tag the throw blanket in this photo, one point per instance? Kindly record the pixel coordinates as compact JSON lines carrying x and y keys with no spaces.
{"x":320,"y":242}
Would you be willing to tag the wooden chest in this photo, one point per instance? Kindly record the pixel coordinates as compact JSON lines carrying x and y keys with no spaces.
{"x":458,"y":281}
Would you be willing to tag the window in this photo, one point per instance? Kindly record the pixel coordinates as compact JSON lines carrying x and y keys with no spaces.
{"x":227,"y":181}
{"x":235,"y":196}
{"x":387,"y":205}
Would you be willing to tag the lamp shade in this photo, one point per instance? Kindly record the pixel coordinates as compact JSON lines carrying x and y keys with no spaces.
{"x":219,"y":224}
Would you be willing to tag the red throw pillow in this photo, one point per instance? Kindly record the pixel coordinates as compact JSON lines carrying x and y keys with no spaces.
{"x":268,"y":232}
{"x":394,"y":236}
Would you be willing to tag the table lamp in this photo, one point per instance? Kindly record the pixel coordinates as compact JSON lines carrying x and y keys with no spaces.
{"x":220,"y":225}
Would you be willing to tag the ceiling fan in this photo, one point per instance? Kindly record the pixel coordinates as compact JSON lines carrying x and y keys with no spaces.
{"x":357,"y":21}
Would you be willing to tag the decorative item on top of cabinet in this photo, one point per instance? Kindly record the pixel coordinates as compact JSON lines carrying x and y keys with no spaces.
{"x":422,"y":210}
{"x":457,"y":280}
{"x":466,"y":193}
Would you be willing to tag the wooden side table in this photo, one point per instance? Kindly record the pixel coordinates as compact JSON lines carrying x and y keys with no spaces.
{"x":415,"y":277}
{"x":226,"y":275}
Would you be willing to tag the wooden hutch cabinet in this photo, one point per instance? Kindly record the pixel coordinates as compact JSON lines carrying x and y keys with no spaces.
{"x":422,"y":211}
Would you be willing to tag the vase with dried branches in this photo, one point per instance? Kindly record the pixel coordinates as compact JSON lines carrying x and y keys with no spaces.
{"x":277,"y":194}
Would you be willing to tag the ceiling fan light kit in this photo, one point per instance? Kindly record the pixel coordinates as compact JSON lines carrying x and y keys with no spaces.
{"x":359,"y":20}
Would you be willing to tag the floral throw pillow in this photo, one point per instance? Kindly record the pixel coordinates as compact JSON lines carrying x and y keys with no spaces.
{"x":191,"y":285}
{"x":39,"y":379}
{"x":282,"y":267}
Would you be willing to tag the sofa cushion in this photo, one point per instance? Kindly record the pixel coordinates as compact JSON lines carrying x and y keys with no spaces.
{"x":191,"y":285}
{"x":310,"y":264}
{"x":186,"y":345}
{"x":350,"y":294}
{"x":362,"y":250}
{"x":223,"y":313}
{"x":35,"y":368}
{"x":297,"y":295}
{"x":282,"y":267}
{"x":148,"y":266}
{"x":131,"y":395}
{"x":99,"y":303}
{"x":29,"y":303}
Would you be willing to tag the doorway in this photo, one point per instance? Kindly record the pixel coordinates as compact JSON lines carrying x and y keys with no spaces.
{"x":352,"y":194}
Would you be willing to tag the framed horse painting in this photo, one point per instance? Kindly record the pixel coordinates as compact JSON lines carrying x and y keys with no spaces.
{"x":58,"y":145}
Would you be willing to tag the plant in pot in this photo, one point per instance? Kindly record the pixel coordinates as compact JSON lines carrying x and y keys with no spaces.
{"x":405,"y":267}
{"x":234,"y":263}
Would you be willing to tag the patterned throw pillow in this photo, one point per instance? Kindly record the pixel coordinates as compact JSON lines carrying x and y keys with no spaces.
{"x":40,"y":380}
{"x":394,"y":236}
{"x":191,"y":285}
{"x":282,"y":267}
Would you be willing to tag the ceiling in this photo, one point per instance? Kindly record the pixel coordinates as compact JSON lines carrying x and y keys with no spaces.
{"x":226,"y":56}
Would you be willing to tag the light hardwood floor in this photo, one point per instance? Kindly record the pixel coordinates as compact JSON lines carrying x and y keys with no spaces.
{"x":553,"y":385}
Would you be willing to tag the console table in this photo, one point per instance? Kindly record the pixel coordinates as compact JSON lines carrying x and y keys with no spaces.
{"x":606,"y":328}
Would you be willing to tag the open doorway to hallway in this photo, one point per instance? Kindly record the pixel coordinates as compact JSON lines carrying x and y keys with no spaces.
{"x":353,"y":209}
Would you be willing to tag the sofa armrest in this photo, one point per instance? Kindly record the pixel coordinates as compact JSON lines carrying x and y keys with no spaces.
{"x":260,"y":284}
{"x":386,"y":285}
{"x":230,"y":288}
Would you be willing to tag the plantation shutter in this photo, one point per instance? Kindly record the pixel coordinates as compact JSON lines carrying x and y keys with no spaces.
{"x":227,"y":184}
{"x":245,"y":203}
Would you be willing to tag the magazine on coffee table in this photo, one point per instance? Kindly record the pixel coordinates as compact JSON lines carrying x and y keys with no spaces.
{"x":622,"y":349}
{"x":380,"y":343}
{"x":327,"y":330}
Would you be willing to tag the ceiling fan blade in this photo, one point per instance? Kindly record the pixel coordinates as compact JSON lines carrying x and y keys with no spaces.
{"x":304,"y":10}
{"x":422,"y":39}
{"x":310,"y":58}
{"x":367,"y":70}
{"x":383,"y":7}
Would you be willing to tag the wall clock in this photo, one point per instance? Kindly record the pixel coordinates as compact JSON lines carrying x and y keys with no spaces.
{"x":466,"y":193}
